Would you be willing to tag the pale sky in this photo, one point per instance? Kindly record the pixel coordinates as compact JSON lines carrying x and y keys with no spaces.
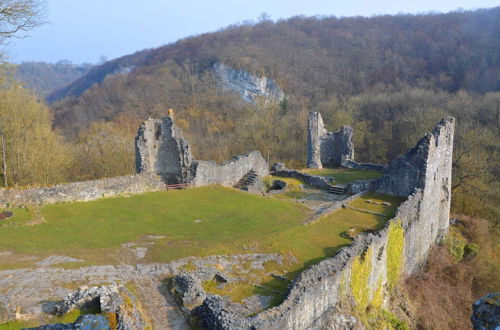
{"x":83,"y":30}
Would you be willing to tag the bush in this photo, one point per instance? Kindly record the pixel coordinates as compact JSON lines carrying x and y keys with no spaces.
{"x":470,"y":250}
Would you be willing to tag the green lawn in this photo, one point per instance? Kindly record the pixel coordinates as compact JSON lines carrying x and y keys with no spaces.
{"x":344,"y":175}
{"x":193,"y":222}
{"x":92,"y":231}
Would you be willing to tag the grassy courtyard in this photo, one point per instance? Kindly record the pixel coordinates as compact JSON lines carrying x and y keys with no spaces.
{"x":193,"y":222}
{"x":203,"y":221}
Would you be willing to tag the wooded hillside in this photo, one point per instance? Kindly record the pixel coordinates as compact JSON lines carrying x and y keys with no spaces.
{"x":390,"y":77}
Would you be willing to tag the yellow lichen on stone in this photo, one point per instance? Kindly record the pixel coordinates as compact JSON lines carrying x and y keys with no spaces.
{"x":395,"y":248}
{"x":360,"y":273}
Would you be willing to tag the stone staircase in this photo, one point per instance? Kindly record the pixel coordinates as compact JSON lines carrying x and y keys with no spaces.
{"x":247,"y":180}
{"x":337,"y":189}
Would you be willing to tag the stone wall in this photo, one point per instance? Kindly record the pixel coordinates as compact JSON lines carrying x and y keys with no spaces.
{"x":161,"y":149}
{"x":317,"y":181}
{"x":82,"y":191}
{"x":421,"y":220}
{"x":363,"y":166}
{"x":231,"y":171}
{"x":327,"y":148}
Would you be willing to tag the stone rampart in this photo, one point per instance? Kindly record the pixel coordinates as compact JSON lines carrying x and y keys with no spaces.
{"x":419,"y":222}
{"x":82,"y":191}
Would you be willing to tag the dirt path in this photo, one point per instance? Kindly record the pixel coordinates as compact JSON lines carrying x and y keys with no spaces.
{"x":159,"y":305}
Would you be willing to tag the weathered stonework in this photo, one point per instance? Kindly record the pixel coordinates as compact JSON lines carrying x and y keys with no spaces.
{"x":229,"y":172}
{"x":317,"y":181}
{"x":327,"y":148}
{"x":314,"y":295}
{"x":161,"y":149}
{"x":82,"y":191}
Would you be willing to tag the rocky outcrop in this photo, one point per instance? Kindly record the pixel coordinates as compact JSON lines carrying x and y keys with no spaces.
{"x":6,"y":309}
{"x":249,"y":86}
{"x":188,"y":289}
{"x":86,"y":321}
{"x":486,"y":312}
{"x":109,"y":299}
{"x":327,"y":148}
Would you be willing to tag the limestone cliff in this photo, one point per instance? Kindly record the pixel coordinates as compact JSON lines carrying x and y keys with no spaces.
{"x":247,"y":85}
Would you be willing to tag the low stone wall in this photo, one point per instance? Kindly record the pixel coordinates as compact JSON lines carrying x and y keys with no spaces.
{"x":82,"y":191}
{"x":359,"y":186}
{"x":312,"y":180}
{"x":331,"y":208}
{"x":362,"y":166}
{"x":230,"y":172}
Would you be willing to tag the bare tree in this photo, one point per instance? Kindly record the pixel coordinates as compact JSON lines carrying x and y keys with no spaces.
{"x":4,"y":157}
{"x":20,"y":15}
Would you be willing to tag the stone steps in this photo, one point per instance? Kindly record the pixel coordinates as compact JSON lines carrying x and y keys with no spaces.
{"x":337,"y":190}
{"x":247,"y":180}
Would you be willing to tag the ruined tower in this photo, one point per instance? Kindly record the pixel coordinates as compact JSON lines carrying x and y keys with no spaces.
{"x":327,"y":148}
{"x":160,"y":148}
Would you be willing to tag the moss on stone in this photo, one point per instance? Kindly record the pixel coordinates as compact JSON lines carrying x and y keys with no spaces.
{"x":360,"y":273}
{"x":378,"y":295}
{"x":395,"y":249}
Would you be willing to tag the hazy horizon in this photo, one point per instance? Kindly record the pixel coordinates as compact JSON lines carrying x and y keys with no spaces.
{"x":83,"y":32}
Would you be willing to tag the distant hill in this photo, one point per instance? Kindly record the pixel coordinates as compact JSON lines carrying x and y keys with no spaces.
{"x":310,"y":58}
{"x":45,"y":78}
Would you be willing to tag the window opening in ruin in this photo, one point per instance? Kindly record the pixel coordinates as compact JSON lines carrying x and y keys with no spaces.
{"x":157,"y":131}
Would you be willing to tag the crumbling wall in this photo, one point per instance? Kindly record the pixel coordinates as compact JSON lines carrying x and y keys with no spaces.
{"x":161,"y":149}
{"x":230,"y":172}
{"x":399,"y":248}
{"x":318,"y":181}
{"x":327,"y":148}
{"x":427,"y":166}
{"x":82,"y":191}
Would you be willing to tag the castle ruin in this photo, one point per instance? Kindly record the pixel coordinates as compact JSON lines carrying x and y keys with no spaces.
{"x":423,"y":176}
{"x":327,"y":149}
{"x":161,"y":149}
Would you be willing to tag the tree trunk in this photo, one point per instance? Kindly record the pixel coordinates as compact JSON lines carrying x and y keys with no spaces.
{"x":4,"y":159}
